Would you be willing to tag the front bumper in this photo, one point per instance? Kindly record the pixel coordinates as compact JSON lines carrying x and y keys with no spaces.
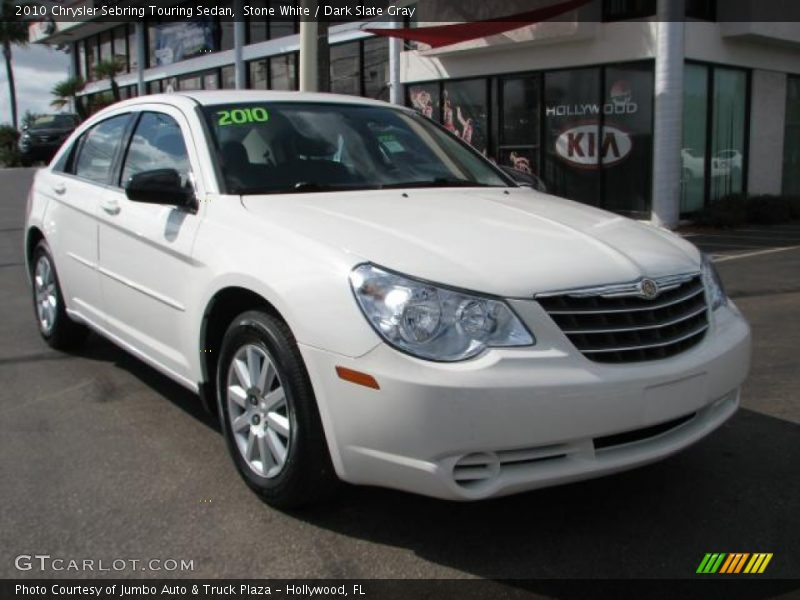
{"x":515,"y":420}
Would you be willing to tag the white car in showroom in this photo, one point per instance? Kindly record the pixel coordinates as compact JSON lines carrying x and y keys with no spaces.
{"x":363,"y":297}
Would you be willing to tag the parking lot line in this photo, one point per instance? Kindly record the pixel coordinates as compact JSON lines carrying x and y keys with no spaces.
{"x":756,"y":253}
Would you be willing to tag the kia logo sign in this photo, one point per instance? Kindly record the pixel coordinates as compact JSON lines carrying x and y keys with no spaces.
{"x":582,"y":145}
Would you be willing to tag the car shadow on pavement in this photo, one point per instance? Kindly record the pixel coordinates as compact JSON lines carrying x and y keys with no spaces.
{"x":736,"y":491}
{"x":98,"y":348}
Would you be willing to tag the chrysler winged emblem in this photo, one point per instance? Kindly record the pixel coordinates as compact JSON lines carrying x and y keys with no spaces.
{"x":648,"y":289}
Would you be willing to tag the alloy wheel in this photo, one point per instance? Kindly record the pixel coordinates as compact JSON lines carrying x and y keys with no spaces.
{"x":46,"y":298}
{"x":259,"y":411}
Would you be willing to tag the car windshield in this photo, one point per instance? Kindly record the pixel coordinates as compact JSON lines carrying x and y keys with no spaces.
{"x":291,"y":147}
{"x":53,"y":122}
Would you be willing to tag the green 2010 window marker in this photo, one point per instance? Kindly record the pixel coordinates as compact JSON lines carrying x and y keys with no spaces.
{"x":242,"y":116}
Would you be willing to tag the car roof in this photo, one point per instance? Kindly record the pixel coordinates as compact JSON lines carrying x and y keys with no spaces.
{"x":186,"y":100}
{"x":213,"y":97}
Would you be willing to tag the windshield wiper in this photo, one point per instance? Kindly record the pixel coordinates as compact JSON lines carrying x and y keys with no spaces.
{"x":438,"y":182}
{"x":302,"y":187}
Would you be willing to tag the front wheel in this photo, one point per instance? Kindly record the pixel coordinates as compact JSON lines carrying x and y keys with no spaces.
{"x":269,"y":413}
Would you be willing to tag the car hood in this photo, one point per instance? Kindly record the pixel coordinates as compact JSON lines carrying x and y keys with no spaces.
{"x":511,"y":243}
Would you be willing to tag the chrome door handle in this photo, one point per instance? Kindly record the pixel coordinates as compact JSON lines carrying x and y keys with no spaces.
{"x":112,"y":207}
{"x":59,"y":188}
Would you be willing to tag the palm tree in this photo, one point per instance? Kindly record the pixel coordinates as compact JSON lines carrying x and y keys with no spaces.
{"x":109,"y":69}
{"x":68,"y":90}
{"x":13,"y":32}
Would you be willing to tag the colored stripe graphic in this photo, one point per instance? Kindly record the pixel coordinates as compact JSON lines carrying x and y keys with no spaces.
{"x":733,"y":563}
{"x":711,"y":562}
{"x":758,"y":563}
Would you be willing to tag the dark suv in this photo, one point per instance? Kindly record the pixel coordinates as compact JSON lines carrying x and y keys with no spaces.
{"x":41,"y":139}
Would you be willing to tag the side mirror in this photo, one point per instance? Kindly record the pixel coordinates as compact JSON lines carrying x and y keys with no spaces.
{"x":159,"y":186}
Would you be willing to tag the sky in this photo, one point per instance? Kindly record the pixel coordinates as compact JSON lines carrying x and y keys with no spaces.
{"x":37,"y":69}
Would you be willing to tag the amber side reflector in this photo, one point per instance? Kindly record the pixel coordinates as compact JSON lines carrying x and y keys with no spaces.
{"x":357,"y":377}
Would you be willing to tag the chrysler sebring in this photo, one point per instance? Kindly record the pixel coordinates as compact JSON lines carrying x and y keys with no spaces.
{"x":361,"y":296}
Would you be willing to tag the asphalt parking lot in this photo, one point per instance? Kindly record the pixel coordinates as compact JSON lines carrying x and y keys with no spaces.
{"x":102,"y":457}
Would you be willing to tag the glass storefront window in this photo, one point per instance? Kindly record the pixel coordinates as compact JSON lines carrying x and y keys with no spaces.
{"x":105,"y":47}
{"x":695,"y":125}
{"x":120,"y":48}
{"x":128,"y":91}
{"x":172,"y":42}
{"x":281,"y":27}
{"x":424,"y":97}
{"x":258,"y":75}
{"x":617,"y":10}
{"x":133,"y":49}
{"x":572,"y":134}
{"x":587,"y":132}
{"x":225,"y":28}
{"x":520,"y":115}
{"x":705,"y":10}
{"x":346,"y":69}
{"x":791,"y":140}
{"x":258,"y":27}
{"x":191,"y":82}
{"x":171,"y":84}
{"x":283,"y":72}
{"x":228,"y":75}
{"x":626,"y":141}
{"x":91,"y":57}
{"x":211,"y":80}
{"x":376,"y":68}
{"x":465,"y":111}
{"x":728,"y":132}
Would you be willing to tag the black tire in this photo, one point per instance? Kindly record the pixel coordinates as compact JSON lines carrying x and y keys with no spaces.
{"x":307,"y":475}
{"x":63,"y":333}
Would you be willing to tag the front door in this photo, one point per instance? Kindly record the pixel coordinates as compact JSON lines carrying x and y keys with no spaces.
{"x":146,"y":249}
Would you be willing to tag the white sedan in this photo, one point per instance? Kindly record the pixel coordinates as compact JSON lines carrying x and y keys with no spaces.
{"x":362,"y":297}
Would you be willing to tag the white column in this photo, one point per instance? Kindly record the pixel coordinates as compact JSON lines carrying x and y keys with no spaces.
{"x":239,"y":40}
{"x":668,"y":122}
{"x":395,"y":87}
{"x":141,"y":57}
{"x":308,"y":54}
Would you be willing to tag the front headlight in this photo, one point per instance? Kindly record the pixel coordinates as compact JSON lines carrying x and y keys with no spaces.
{"x":713,"y":283}
{"x":432,"y":322}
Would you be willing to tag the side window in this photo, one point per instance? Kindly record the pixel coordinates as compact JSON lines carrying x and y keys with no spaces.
{"x":157,"y":143}
{"x":98,"y":148}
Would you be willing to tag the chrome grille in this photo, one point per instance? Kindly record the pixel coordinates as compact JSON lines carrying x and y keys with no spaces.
{"x":616,"y":324}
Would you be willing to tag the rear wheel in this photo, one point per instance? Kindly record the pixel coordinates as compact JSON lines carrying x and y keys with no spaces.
{"x":269,"y":414}
{"x":55,"y":325}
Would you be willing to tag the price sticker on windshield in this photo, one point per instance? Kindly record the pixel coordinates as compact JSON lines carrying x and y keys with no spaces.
{"x":242,"y":116}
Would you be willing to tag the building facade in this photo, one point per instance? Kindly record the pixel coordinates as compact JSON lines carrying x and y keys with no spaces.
{"x":574,"y":100}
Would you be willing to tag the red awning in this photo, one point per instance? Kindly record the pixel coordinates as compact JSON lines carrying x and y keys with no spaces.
{"x":444,"y":35}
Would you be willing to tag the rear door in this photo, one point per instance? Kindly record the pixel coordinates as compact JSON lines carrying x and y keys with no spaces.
{"x":146,"y":268}
{"x":77,"y":192}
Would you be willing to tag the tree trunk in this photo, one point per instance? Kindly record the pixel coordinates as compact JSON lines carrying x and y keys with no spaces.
{"x":115,"y":90}
{"x":12,"y":91}
{"x":79,"y":107}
